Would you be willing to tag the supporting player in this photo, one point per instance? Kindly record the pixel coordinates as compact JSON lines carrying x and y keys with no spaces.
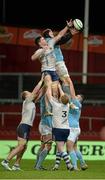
{"x":45,"y":129}
{"x":74,"y":117}
{"x":23,"y":129}
{"x":60,"y":125}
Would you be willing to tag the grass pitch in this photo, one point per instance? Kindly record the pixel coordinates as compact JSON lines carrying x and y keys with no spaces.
{"x":96,"y":170}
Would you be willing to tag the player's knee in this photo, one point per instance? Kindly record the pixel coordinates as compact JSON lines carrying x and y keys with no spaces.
{"x":22,"y":144}
{"x":21,"y":147}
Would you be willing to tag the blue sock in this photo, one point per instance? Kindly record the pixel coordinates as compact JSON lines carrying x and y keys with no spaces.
{"x":80,"y":157}
{"x":73,"y":158}
{"x":37,"y":157}
{"x":41,"y":158}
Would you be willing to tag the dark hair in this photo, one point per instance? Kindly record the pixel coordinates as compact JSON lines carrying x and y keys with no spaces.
{"x":45,"y":33}
{"x":82,"y":96}
{"x":37,"y":39}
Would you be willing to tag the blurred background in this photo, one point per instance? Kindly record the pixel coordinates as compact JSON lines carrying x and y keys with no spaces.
{"x":85,"y":59}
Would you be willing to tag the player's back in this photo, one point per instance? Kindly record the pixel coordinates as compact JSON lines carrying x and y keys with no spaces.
{"x":45,"y":120}
{"x":74,"y":114}
{"x":28,"y":112}
{"x":60,"y":115}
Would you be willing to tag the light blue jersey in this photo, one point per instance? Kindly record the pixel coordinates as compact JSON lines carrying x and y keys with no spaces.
{"x":74,"y":114}
{"x":45,"y":120}
{"x":57,"y":51}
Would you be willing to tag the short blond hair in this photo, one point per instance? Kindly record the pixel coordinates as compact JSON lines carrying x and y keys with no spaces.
{"x":65,"y":99}
{"x":23,"y":95}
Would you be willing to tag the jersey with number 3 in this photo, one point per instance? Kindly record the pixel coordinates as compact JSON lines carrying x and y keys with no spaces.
{"x":60,"y":114}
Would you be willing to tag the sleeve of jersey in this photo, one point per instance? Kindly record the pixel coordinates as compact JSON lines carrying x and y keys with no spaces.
{"x":51,"y":42}
{"x":29,"y":99}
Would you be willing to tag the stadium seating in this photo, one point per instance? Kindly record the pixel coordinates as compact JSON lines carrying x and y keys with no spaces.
{"x":91,"y":122}
{"x":17,"y":60}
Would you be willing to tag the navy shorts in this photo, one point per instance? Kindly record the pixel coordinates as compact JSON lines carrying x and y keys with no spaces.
{"x":60,"y":134}
{"x":23,"y":131}
{"x":53,"y":75}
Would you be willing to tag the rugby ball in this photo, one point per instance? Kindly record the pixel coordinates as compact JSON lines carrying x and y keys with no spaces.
{"x":78,"y":24}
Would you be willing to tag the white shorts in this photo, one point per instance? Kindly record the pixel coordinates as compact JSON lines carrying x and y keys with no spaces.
{"x":44,"y":129}
{"x":61,"y":69}
{"x":74,"y":133}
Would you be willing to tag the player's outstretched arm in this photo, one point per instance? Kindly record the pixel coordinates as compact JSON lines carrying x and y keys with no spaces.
{"x":38,"y":86}
{"x":60,"y":90}
{"x":61,"y":33}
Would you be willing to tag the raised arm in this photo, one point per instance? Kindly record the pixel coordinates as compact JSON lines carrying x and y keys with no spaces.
{"x":71,"y":28}
{"x":40,"y":93}
{"x":67,"y":37}
{"x":60,"y":90}
{"x":72,"y":90}
{"x":38,"y":86}
{"x":62,"y":32}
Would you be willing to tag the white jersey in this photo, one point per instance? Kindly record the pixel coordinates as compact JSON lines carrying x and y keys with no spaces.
{"x":28,"y":112}
{"x":48,"y":59}
{"x":60,"y":115}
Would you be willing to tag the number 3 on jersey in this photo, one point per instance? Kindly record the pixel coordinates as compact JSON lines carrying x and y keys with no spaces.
{"x":64,"y":114}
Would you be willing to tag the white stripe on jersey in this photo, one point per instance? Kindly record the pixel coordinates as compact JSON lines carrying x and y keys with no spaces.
{"x":60,"y":115}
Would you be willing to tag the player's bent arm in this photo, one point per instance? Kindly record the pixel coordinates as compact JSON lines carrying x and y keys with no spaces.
{"x":37,"y":54}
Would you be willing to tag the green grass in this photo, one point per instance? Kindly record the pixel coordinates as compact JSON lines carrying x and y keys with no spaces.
{"x":96,"y":170}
